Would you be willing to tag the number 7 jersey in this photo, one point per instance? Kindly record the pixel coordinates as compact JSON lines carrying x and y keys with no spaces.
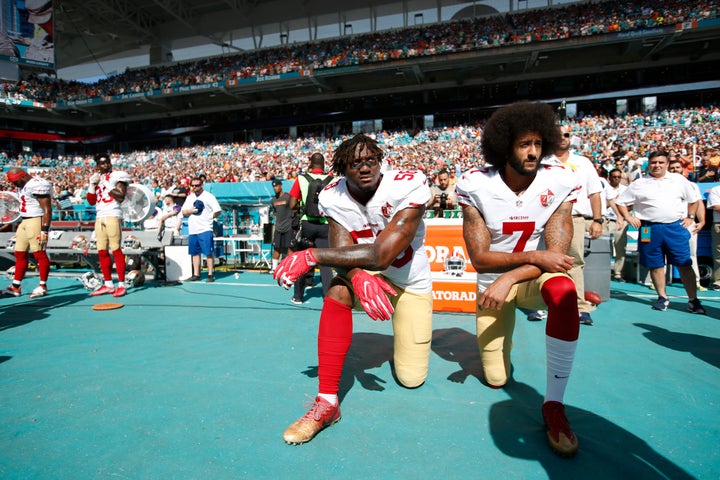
{"x":515,"y":222}
{"x":398,"y":190}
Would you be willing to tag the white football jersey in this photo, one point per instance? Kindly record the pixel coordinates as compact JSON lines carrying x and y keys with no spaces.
{"x":588,"y":179}
{"x":29,"y":205}
{"x":107,"y":206}
{"x":516,"y":223}
{"x":398,"y":190}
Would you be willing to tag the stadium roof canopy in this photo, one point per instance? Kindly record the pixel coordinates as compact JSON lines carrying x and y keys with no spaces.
{"x":88,"y":30}
{"x":650,"y":60}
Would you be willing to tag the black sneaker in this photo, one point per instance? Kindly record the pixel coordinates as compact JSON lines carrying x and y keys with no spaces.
{"x":662,"y":304}
{"x":210,"y":279}
{"x":585,"y":318}
{"x":194,"y":278}
{"x":695,"y":307}
{"x":537,"y":316}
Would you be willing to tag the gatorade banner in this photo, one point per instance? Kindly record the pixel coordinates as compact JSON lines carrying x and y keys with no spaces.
{"x":454,"y":278}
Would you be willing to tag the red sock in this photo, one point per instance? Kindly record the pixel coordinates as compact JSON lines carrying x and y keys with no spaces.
{"x":119,"y":264}
{"x":21,"y":264}
{"x":43,"y":263}
{"x":563,"y":320}
{"x":334,"y":338}
{"x":104,"y":258}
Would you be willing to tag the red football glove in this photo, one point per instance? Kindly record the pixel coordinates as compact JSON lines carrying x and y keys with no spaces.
{"x":294,"y":266}
{"x":371,"y":291}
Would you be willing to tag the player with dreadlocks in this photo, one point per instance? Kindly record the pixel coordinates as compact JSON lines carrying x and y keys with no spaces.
{"x":376,"y":247}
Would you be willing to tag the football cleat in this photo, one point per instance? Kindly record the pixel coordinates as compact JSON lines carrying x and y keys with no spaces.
{"x":559,"y":434}
{"x":104,"y":290}
{"x":40,"y":291}
{"x":12,"y":291}
{"x":320,"y":416}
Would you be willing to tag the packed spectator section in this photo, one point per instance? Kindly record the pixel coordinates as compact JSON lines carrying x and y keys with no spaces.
{"x":537,"y":25}
{"x":691,"y":135}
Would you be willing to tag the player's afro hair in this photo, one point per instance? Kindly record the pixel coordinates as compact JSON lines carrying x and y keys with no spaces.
{"x":345,"y":153}
{"x":511,"y":121}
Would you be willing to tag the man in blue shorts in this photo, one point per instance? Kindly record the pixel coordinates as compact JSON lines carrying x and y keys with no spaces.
{"x":201,"y":208}
{"x":664,"y":206}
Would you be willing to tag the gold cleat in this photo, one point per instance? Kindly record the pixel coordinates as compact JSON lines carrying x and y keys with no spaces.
{"x":320,"y":416}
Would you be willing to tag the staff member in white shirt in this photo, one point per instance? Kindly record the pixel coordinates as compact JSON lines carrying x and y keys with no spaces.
{"x":713,"y":203}
{"x":616,"y":225}
{"x":202,"y":208}
{"x":586,"y":213}
{"x":675,"y":166}
{"x":664,"y":206}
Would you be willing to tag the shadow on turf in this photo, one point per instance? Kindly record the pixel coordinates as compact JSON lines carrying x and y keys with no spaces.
{"x":367,"y":351}
{"x":705,"y":348}
{"x":606,"y":449}
{"x":516,"y":426}
{"x":16,"y":312}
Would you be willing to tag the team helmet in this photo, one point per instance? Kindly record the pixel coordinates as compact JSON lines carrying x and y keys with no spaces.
{"x":455,"y":265}
{"x":90,"y":281}
{"x":132,"y":242}
{"x":80,"y":242}
{"x":134,"y":278}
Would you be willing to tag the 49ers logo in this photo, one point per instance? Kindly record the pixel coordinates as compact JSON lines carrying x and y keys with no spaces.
{"x":547,"y":198}
{"x":387,"y":210}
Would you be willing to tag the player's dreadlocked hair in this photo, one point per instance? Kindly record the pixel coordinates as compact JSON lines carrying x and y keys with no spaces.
{"x":511,"y":121}
{"x":345,"y":153}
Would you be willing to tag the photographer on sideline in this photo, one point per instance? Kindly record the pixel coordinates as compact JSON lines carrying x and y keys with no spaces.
{"x":314,"y":227}
{"x":443,"y":194}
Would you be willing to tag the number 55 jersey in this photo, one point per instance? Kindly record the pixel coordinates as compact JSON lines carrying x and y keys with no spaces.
{"x":515,"y":222}
{"x":398,"y":190}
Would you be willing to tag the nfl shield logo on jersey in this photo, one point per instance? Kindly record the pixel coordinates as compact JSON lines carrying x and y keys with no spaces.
{"x":546,"y":198}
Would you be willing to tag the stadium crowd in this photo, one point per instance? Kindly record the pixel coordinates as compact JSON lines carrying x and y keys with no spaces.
{"x":689,"y":134}
{"x":570,"y":21}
